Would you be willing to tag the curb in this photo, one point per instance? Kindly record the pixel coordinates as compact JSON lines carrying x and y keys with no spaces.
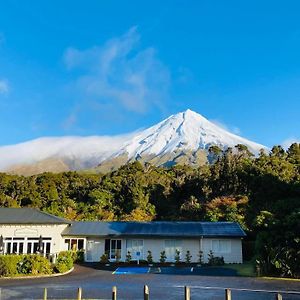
{"x":38,"y":276}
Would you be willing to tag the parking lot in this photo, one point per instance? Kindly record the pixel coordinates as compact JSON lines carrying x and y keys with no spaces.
{"x":97,"y":284}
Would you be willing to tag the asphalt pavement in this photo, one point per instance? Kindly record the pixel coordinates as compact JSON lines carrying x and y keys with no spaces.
{"x":97,"y":284}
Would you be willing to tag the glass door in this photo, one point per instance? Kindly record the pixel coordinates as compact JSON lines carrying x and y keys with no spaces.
{"x":115,"y":249}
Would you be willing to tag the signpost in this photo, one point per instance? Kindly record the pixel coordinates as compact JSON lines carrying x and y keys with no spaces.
{"x":138,"y":255}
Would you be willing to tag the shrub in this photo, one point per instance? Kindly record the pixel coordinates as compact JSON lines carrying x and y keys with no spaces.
{"x":149,"y":257}
{"x":200,"y":257}
{"x":9,"y":264}
{"x":34,"y":264}
{"x":31,"y":264}
{"x":177,"y":256}
{"x":64,"y":261}
{"x":188,"y":257}
{"x":163,"y":257}
{"x":128,"y":257}
{"x":215,"y":260}
{"x":79,"y":258}
{"x":104,"y":258}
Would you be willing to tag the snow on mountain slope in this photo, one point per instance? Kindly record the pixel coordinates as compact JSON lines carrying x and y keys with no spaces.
{"x":183,"y":131}
{"x":186,"y":132}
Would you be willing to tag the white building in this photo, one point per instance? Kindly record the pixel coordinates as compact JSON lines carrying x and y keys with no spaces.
{"x":23,"y":228}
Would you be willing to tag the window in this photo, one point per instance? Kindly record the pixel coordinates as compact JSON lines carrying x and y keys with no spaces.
{"x":171,"y":246}
{"x":136,"y":247}
{"x":221,"y":246}
{"x":74,"y":244}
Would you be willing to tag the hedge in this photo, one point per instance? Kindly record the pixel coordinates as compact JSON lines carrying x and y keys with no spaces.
{"x":31,"y":264}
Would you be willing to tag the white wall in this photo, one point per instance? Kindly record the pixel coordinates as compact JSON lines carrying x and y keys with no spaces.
{"x":53,"y":231}
{"x":233,"y":256}
{"x":193,"y":245}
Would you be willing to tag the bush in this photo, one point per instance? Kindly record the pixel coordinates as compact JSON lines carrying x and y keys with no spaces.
{"x":200,"y":257}
{"x":9,"y":264}
{"x":188,"y":257}
{"x":31,"y":264}
{"x":163,"y":257}
{"x":128,"y":257}
{"x":64,"y":261}
{"x":149,"y":257}
{"x":177,"y":256}
{"x":34,"y":264}
{"x":215,"y":260}
{"x":104,"y":258}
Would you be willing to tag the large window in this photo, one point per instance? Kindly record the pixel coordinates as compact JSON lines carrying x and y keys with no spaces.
{"x":17,"y":245}
{"x":136,"y":248}
{"x":171,"y":246}
{"x":75,"y":244}
{"x":221,"y":246}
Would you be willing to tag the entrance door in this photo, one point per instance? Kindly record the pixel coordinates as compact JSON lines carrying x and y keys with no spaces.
{"x":93,"y":251}
{"x":115,"y":249}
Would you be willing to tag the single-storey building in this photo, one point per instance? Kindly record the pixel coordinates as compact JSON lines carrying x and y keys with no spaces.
{"x":23,"y":229}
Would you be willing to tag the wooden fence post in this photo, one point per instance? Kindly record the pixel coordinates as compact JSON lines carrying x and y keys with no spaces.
{"x":79,"y":294}
{"x":187,"y":293}
{"x":114,"y":293}
{"x":146,"y":292}
{"x":45,"y":294}
{"x":278,"y":297}
{"x":227,"y":294}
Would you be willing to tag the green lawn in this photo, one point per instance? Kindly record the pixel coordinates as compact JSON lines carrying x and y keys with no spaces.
{"x":245,"y":269}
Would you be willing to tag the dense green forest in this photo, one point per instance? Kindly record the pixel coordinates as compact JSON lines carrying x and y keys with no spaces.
{"x":261,"y":193}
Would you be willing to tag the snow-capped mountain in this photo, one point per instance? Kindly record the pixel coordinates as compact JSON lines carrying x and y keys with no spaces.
{"x":182,"y":138}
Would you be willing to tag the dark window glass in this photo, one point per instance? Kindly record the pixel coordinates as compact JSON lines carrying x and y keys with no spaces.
{"x":29,"y":247}
{"x":35,"y":247}
{"x":48,"y":247}
{"x":14,"y":248}
{"x":119,"y":244}
{"x":107,"y":246}
{"x":80,"y":244}
{"x":8,"y":249}
{"x":21,"y":246}
{"x":18,"y":239}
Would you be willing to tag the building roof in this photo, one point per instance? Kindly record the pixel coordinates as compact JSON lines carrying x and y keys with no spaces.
{"x":159,"y":229}
{"x":28,"y":216}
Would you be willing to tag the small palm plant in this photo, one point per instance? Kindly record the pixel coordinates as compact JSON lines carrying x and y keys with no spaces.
{"x":177,"y":256}
{"x":163,"y":257}
{"x":149,"y":257}
{"x":188,"y":257}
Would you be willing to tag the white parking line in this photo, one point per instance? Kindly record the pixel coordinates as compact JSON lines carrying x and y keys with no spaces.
{"x":237,"y":289}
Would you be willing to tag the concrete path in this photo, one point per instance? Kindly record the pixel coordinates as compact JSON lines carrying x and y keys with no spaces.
{"x":97,"y":284}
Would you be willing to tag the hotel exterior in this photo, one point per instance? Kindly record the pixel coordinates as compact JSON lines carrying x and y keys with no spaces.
{"x":23,"y":230}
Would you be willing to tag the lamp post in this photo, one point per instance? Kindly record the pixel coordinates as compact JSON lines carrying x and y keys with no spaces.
{"x":1,"y":244}
{"x":41,"y":245}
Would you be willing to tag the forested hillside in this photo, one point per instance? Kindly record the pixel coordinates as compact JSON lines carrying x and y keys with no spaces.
{"x":261,"y":193}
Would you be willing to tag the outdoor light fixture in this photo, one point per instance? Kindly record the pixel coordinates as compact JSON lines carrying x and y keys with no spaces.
{"x":41,"y":245}
{"x":1,"y":244}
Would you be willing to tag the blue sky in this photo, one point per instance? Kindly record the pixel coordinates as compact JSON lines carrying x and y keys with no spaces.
{"x":111,"y":67}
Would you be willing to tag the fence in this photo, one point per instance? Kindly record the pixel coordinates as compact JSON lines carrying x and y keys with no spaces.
{"x":187,"y":294}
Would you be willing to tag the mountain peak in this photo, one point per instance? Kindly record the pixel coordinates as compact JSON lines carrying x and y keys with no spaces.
{"x":184,"y":135}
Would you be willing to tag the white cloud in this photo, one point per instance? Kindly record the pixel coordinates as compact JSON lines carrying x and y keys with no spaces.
{"x":4,"y":86}
{"x":121,"y":73}
{"x":287,"y":143}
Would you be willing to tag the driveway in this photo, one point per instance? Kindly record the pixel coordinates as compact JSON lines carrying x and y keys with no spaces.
{"x":97,"y":284}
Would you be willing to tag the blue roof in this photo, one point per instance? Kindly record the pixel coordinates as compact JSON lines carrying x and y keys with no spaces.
{"x":159,"y":229}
